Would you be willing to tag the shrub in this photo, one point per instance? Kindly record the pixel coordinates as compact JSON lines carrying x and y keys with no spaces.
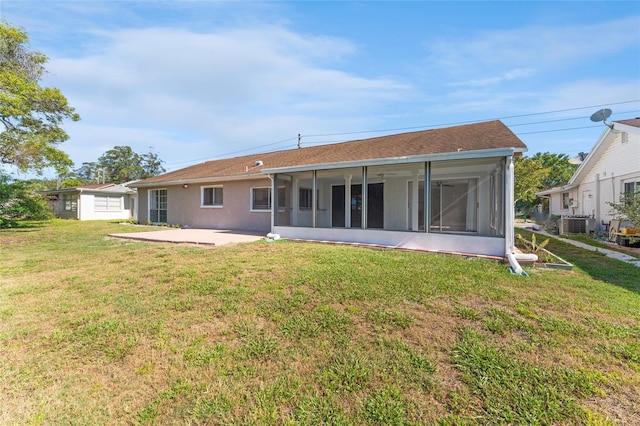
{"x":18,"y":201}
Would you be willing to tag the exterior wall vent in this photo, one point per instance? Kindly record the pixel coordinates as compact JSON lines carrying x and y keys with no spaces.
{"x":259,"y":163}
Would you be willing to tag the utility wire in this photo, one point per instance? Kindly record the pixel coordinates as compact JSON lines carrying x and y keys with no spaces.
{"x":470,"y":121}
{"x":510,"y":125}
{"x":426,"y":126}
{"x":234,"y":152}
{"x":557,"y":130}
{"x":565,"y":119}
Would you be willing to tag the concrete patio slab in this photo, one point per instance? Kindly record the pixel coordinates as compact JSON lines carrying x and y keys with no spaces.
{"x":212,"y":237}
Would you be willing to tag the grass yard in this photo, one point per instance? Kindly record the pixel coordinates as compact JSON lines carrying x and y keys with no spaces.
{"x":103,"y":331}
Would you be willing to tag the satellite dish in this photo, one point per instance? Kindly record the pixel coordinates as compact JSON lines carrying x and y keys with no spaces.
{"x":578,"y":159}
{"x":602,"y":115}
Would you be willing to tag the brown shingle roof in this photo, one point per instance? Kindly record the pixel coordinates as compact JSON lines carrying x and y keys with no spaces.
{"x":96,"y":186}
{"x":635,"y":122}
{"x":470,"y":137}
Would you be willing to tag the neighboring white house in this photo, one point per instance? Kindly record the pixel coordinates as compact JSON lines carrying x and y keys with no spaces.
{"x":93,"y":202}
{"x":611,"y":168}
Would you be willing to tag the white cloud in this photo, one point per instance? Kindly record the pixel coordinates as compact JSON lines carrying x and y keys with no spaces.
{"x":207,"y":79}
{"x":533,"y":49}
{"x":588,"y":92}
{"x":489,"y":81}
{"x":228,"y":87}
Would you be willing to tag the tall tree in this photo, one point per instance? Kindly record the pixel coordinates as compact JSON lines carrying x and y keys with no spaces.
{"x":529,"y":175}
{"x":31,"y":116}
{"x":88,"y":172}
{"x":151,"y":165}
{"x":121,"y":164}
{"x":559,"y":169}
{"x":539,"y":172}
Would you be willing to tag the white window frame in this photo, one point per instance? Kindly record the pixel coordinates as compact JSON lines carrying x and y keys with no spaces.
{"x":149,"y":198}
{"x":566,"y":203}
{"x":282,"y":198}
{"x":251,"y":199}
{"x":214,"y":205}
{"x":109,"y":204}
{"x":308,"y":197}
{"x":630,"y":187}
{"x":631,"y":183}
{"x":70,"y":202}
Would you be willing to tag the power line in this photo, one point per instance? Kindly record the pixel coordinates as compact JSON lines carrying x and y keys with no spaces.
{"x":426,"y":126}
{"x":470,"y":121}
{"x":511,"y":125}
{"x":235,"y":152}
{"x":564,"y":119}
{"x":557,"y":130}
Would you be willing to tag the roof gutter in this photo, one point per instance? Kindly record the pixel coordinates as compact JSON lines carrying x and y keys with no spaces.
{"x":212,"y":179}
{"x":458,"y":155}
{"x":547,"y":192}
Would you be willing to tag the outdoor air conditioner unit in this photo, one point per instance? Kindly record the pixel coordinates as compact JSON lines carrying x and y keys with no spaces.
{"x":577,"y":225}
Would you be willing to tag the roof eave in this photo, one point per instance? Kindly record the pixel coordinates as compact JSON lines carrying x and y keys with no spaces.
{"x":625,"y":127}
{"x":459,"y":155}
{"x":555,"y":190}
{"x":210,"y":179}
{"x":577,"y":175}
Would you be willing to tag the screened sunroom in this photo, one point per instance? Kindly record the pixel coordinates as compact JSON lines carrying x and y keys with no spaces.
{"x":388,"y":202}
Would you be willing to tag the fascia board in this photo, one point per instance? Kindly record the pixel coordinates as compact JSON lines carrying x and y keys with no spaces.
{"x":626,"y":128}
{"x":461,"y":155}
{"x":194,"y":181}
{"x":595,"y":152}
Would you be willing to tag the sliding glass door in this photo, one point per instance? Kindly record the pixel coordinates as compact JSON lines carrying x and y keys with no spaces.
{"x":158,"y":205}
{"x":454,"y":205}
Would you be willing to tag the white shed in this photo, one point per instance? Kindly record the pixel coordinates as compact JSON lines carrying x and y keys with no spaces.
{"x":94,"y":202}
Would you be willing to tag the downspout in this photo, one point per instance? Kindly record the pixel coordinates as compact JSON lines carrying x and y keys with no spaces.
{"x":598,"y":214}
{"x":274,"y":201}
{"x":79,"y":204}
{"x":314,"y":199}
{"x":510,"y":218}
{"x":135,"y":213}
{"x":427,"y":197}
{"x":365,"y":199}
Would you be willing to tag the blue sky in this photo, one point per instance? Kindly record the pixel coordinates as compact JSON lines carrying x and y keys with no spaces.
{"x":199,"y":80}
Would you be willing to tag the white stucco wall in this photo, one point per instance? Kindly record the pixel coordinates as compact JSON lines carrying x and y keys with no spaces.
{"x":455,"y":243}
{"x":87,"y":208}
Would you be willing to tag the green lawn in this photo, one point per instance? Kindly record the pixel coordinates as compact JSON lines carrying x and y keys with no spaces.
{"x":103,"y":331}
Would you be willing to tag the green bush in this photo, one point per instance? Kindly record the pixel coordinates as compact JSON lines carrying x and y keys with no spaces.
{"x":18,"y":201}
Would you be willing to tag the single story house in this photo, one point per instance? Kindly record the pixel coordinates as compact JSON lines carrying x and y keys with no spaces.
{"x":93,"y":202}
{"x":447,"y":189}
{"x":611,"y":168}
